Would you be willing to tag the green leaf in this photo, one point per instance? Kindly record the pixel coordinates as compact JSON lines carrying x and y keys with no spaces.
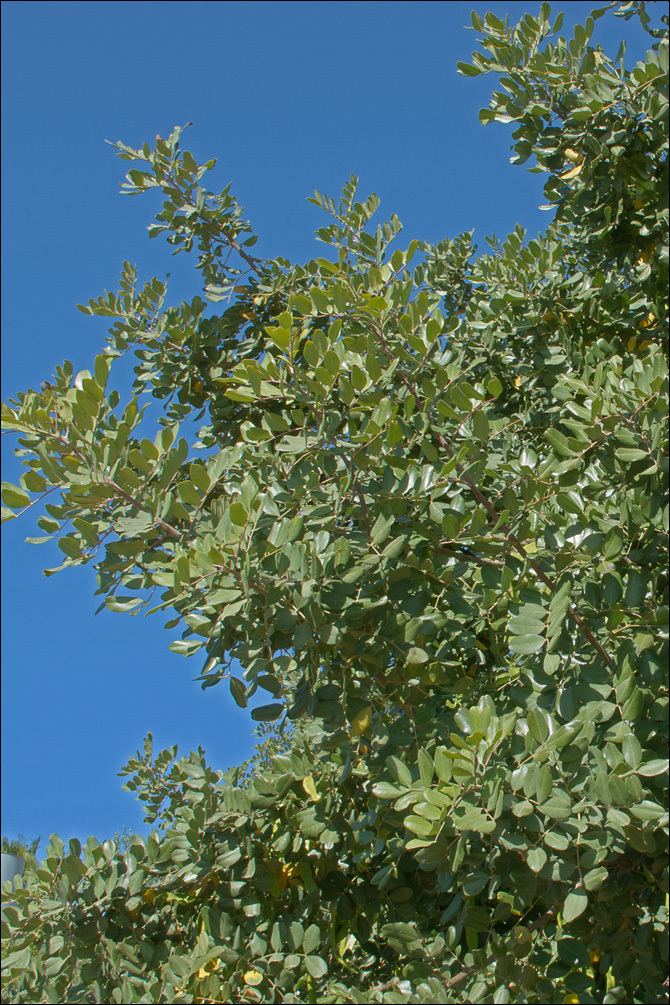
{"x":467,"y":818}
{"x":536,"y":858}
{"x":101,"y":370}
{"x":636,"y":589}
{"x":382,"y":528}
{"x":551,"y":663}
{"x":537,"y":724}
{"x":238,"y":689}
{"x":467,"y":70}
{"x":480,"y":425}
{"x":613,"y":543}
{"x":384,"y":790}
{"x":280,"y":337}
{"x":647,"y":810}
{"x":557,"y":807}
{"x":524,"y":645}
{"x":14,"y":496}
{"x":426,"y":768}
{"x":494,"y":22}
{"x":238,"y":514}
{"x":417,"y":656}
{"x":573,"y":952}
{"x":559,"y":842}
{"x":401,"y":936}
{"x":240,"y":394}
{"x":189,"y":493}
{"x":543,"y":784}
{"x":632,"y":751}
{"x":631,"y":454}
{"x":574,"y":905}
{"x":595,"y":878}
{"x":34,"y":482}
{"x":652,"y":768}
{"x":122,"y":604}
{"x":70,"y":546}
{"x":316,"y":966}
{"x":560,"y":443}
{"x":443,"y":764}
{"x":634,"y":705}
{"x":419,"y":825}
{"x":311,"y":938}
{"x":186,"y":647}
{"x":477,"y":919}
{"x":267,"y":713}
{"x":400,"y":770}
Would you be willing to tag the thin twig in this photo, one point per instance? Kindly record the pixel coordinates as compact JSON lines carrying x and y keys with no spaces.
{"x":172,"y":531}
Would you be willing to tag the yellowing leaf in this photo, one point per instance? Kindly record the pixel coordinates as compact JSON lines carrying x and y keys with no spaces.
{"x":572,"y":155}
{"x":632,"y":342}
{"x":570,"y":998}
{"x":361,"y":721}
{"x":253,"y":978}
{"x":648,"y":321}
{"x":517,"y":381}
{"x":595,"y":955}
{"x":310,"y":788}
{"x":572,"y":173}
{"x":281,"y":880}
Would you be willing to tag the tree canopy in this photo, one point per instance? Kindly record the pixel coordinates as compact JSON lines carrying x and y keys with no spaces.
{"x":420,"y":495}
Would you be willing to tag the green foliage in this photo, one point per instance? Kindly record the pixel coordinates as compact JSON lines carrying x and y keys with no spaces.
{"x":426,"y":510}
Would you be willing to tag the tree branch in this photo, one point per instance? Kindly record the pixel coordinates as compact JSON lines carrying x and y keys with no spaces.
{"x":171,"y":531}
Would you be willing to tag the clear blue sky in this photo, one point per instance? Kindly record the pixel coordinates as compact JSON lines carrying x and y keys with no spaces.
{"x":289,"y":97}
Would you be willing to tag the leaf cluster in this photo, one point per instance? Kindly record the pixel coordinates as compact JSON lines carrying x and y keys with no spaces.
{"x":426,"y":513}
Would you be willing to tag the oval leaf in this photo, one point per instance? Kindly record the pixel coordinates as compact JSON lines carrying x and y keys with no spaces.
{"x":524,"y":645}
{"x":575,"y":904}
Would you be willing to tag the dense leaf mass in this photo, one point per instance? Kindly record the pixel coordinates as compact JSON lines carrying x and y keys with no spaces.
{"x":426,"y":511}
